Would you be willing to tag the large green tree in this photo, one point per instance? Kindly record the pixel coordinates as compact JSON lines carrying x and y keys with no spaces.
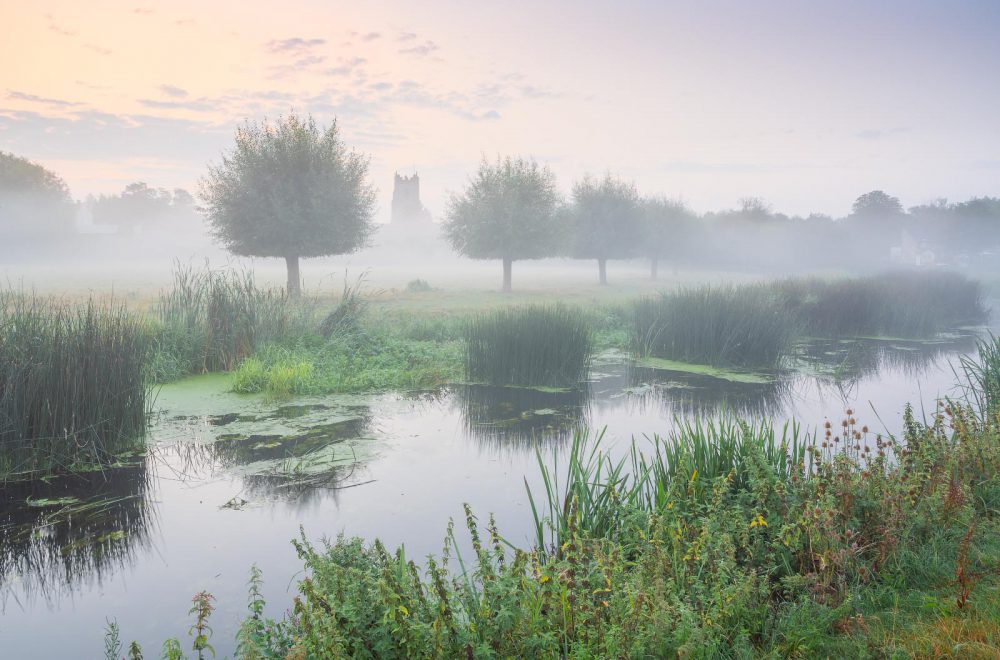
{"x":667,"y":226}
{"x":876,"y":204}
{"x":290,"y":190}
{"x":34,"y":202}
{"x":607,"y":221}
{"x":507,"y":211}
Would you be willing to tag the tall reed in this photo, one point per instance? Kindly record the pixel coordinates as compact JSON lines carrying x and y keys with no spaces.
{"x":210,"y":320}
{"x":911,"y":304}
{"x":605,"y":492}
{"x":73,"y":383}
{"x":534,"y":345}
{"x":722,"y":326}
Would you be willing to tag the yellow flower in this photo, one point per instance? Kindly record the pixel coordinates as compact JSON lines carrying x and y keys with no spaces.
{"x":758,"y":522}
{"x":543,"y":579}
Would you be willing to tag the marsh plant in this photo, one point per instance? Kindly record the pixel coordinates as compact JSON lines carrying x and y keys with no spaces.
{"x":909,"y":304}
{"x":532,"y":345}
{"x":210,"y":320}
{"x":723,"y":326}
{"x":73,"y":383}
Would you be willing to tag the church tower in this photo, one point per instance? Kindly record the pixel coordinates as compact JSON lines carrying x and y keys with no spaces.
{"x":406,"y":207}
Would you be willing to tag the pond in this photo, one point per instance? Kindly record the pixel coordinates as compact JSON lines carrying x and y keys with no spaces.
{"x":230,"y":479}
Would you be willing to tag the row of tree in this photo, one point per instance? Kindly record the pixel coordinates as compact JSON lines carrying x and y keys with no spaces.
{"x":511,"y":210}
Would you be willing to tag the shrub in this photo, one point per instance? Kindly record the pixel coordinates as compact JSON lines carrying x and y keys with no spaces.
{"x":418,"y":286}
{"x":534,"y":345}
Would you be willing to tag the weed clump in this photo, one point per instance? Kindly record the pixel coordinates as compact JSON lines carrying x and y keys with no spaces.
{"x":74,"y":388}
{"x":721,"y":326}
{"x":534,"y":345}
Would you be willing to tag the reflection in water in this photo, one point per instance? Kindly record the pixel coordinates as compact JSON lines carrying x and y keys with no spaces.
{"x":291,"y":466}
{"x":70,"y":531}
{"x":843,"y":363}
{"x":692,"y":394}
{"x":518,"y":416}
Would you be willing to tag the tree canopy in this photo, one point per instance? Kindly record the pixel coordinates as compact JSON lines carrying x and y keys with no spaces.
{"x":507,"y":211}
{"x":606,"y":215}
{"x":34,"y":201}
{"x":291,"y":190}
{"x":876,"y":204}
{"x":666,"y":226}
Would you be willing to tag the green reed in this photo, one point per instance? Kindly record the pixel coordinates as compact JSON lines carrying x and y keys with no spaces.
{"x":725,"y":326}
{"x":73,"y":383}
{"x":210,"y":320}
{"x":913,"y":304}
{"x":533,"y":345}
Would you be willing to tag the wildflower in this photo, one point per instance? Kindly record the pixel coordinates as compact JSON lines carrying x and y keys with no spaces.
{"x":758,"y":522}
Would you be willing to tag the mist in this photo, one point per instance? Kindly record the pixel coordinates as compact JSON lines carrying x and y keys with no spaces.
{"x":559,"y":329}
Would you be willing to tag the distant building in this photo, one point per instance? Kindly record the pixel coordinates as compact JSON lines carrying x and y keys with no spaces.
{"x":911,"y":252}
{"x":407,"y":210}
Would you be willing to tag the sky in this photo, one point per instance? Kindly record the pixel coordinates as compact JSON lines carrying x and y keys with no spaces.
{"x":804,"y":104}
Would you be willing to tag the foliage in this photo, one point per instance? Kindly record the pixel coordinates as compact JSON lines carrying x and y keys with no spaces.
{"x":418,"y":286}
{"x":730,"y":326}
{"x":893,"y":304}
{"x":34,"y":202}
{"x":530,"y":345}
{"x":210,"y":320}
{"x":876,"y":204}
{"x":606,"y":214}
{"x":73,"y":383}
{"x":290,"y":190}
{"x":666,"y":228}
{"x":507,"y":211}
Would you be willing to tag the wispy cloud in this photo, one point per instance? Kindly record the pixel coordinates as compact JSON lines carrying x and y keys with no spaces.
{"x":879,"y":133}
{"x":34,"y":98}
{"x":406,"y":36}
{"x":420,"y":50}
{"x":346,"y":67}
{"x":173,"y":91}
{"x":294,"y":45}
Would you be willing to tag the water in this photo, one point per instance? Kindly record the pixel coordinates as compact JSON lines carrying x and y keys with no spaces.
{"x":230,"y":479}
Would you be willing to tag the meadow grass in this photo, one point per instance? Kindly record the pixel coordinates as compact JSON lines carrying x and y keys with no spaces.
{"x":534,"y":345}
{"x":74,"y":387}
{"x":725,"y":326}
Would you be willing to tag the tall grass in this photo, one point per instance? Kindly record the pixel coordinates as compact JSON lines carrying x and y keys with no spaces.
{"x":211,"y":320}
{"x":722,"y":326}
{"x":534,"y":345}
{"x":982,"y":378}
{"x":908,"y":304}
{"x":73,"y":383}
{"x":605,"y":493}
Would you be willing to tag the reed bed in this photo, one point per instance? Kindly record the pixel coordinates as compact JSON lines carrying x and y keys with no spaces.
{"x":533,"y":345}
{"x":908,"y":304}
{"x":722,"y":326}
{"x":211,"y":320}
{"x":73,"y":383}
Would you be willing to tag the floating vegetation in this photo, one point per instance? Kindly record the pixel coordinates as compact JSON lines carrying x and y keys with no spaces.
{"x":720,"y":373}
{"x":73,"y":384}
{"x":720,"y":326}
{"x":534,"y":345}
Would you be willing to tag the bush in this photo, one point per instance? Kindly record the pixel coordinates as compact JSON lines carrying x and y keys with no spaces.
{"x":418,"y":286}
{"x":534,"y":345}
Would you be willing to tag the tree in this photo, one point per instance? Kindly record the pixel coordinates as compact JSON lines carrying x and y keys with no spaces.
{"x":507,"y":211}
{"x":606,"y":216}
{"x":876,"y":204}
{"x":34,"y":202}
{"x":289,"y":190}
{"x":136,"y":206}
{"x":666,"y":224}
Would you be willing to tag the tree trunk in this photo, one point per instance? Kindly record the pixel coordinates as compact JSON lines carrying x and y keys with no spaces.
{"x":602,"y":267}
{"x":507,"y":263}
{"x":294,"y":281}
{"x":654,"y":268}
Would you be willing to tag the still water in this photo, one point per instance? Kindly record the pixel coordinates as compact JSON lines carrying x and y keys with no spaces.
{"x":230,"y":480}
